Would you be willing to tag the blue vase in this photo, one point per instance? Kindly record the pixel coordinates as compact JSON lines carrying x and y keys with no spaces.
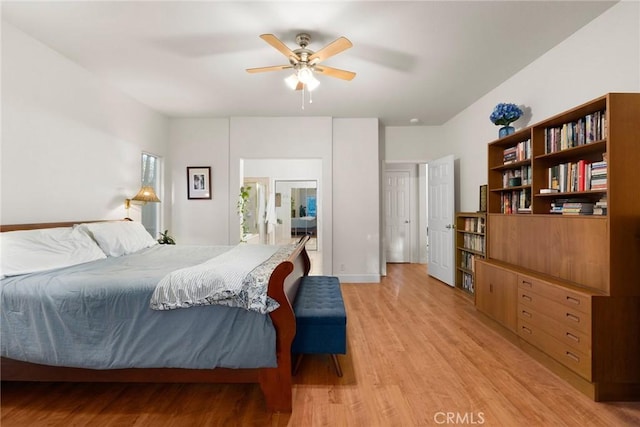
{"x":505,"y":130}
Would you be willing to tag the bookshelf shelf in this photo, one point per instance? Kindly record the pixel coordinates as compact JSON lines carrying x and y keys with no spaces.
{"x":470,"y":245}
{"x":514,"y":165}
{"x":575,"y":251}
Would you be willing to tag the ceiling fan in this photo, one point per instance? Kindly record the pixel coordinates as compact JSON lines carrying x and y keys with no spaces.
{"x":304,"y":62}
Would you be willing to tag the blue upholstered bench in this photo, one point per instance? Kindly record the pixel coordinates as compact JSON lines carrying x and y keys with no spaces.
{"x":321,"y":319}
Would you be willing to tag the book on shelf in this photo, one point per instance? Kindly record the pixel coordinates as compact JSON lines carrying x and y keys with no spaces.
{"x":515,"y":201}
{"x":474,"y":242}
{"x":467,"y":282}
{"x":600,"y":207}
{"x":585,"y":130}
{"x":475,"y":225}
{"x":577,"y":208}
{"x":577,"y":176}
{"x":519,"y":152}
{"x":602,"y":203}
{"x":549,"y":190}
{"x":599,"y":211}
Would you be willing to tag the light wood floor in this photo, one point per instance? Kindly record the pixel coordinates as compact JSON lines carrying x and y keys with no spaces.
{"x":418,"y":355}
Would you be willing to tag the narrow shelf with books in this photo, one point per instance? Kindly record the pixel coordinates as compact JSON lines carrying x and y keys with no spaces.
{"x":564,"y":278}
{"x":511,"y":174}
{"x":470,"y":244}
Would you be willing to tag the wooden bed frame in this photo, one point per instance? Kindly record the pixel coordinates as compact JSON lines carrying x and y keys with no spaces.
{"x":275,"y":383}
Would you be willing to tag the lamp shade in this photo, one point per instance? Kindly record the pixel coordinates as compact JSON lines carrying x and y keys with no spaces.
{"x":146,"y":194}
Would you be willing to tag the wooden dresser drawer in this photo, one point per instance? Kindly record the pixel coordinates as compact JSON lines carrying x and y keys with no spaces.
{"x":562,"y":295}
{"x":575,"y":360}
{"x":565,"y":315}
{"x":559,"y":330}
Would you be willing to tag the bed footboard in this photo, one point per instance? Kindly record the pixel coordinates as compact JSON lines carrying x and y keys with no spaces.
{"x":276,"y":383}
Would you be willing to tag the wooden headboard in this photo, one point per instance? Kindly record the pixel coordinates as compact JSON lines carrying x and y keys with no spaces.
{"x":37,"y":226}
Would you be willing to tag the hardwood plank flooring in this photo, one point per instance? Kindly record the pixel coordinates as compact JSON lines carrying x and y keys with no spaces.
{"x":418,"y":355}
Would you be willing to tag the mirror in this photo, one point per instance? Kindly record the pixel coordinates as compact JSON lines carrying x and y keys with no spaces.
{"x":296,"y":211}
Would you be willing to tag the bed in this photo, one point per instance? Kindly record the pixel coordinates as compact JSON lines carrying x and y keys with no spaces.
{"x":125,"y":330}
{"x":304,"y":225}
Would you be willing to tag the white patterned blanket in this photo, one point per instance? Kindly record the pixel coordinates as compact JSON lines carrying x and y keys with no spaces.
{"x":237,"y":278}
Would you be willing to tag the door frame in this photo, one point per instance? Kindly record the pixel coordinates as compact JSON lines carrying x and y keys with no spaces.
{"x":414,"y":217}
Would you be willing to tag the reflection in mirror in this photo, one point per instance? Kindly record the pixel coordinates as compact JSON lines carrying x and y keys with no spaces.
{"x":296,"y":211}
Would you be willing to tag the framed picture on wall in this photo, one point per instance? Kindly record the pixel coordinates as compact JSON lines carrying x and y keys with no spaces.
{"x":198,"y":182}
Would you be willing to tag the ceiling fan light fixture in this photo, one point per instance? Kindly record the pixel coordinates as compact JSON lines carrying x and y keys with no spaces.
{"x":312,"y":83}
{"x":305,"y":75}
{"x":292,"y":81}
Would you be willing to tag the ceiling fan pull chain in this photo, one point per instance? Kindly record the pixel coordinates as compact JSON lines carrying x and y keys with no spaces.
{"x":310,"y":97}
{"x":302,"y":96}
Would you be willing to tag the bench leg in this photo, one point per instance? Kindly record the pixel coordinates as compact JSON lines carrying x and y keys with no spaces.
{"x":336,"y":365}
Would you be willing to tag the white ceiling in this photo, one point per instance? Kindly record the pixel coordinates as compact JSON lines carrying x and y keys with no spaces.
{"x":418,"y":59}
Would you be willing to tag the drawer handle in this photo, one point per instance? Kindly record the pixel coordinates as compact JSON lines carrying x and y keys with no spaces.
{"x":527,"y":330}
{"x":525,"y":313}
{"x":524,"y":282}
{"x":526,"y":297}
{"x":573,"y":337}
{"x":573,"y":300}
{"x":572,"y":356}
{"x":573,"y":317}
{"x":490,"y":287}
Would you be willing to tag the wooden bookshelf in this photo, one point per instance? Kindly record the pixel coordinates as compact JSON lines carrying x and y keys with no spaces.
{"x":566,"y":281}
{"x":510,"y":157}
{"x":470,"y":244}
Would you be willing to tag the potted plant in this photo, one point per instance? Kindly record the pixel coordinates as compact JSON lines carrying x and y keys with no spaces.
{"x":165,"y":239}
{"x":503,"y":115}
{"x":243,"y":201}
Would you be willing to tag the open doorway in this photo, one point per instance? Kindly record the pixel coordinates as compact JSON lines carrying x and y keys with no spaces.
{"x":299,"y":183}
{"x":405,"y":201}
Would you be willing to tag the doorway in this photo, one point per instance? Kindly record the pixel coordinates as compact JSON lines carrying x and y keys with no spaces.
{"x":414,"y":234}
{"x":304,"y":178}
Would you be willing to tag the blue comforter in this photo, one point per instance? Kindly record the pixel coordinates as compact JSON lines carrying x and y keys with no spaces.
{"x":97,"y":315}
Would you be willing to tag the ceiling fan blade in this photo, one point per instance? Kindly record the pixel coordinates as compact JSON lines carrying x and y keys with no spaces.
{"x":335,"y":72}
{"x":331,"y":49}
{"x":272,"y":68}
{"x":276,"y":43}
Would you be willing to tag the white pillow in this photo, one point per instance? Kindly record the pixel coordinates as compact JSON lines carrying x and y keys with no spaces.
{"x":30,"y":251}
{"x":117,"y":238}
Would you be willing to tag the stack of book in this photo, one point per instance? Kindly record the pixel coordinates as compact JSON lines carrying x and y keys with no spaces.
{"x":598,"y":176}
{"x":510,"y":155}
{"x":600,"y":208}
{"x":577,"y":208}
{"x":556,"y":206}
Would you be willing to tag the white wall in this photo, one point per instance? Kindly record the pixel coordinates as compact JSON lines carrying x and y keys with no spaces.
{"x":71,"y":144}
{"x":347,"y":150}
{"x":603,"y":56}
{"x":283,"y":138}
{"x":200,"y":142}
{"x":415,"y":144}
{"x":356,"y":200}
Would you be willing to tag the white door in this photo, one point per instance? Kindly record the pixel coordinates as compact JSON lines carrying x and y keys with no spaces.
{"x":440,"y":210}
{"x":397,"y":223}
